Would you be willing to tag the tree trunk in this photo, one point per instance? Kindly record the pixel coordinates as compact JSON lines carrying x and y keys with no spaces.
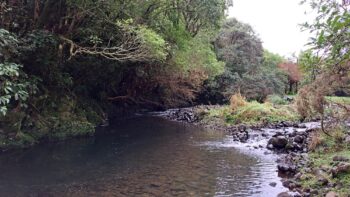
{"x":36,"y":11}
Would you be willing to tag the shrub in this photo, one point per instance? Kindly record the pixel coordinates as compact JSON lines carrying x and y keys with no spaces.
{"x":339,"y":134}
{"x":237,"y":101}
{"x":315,"y":141}
{"x":255,"y":113}
{"x":276,"y":99}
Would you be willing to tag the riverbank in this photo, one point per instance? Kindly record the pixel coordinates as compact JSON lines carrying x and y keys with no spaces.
{"x":312,"y":163}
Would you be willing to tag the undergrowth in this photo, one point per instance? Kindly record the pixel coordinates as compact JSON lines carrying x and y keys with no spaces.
{"x":323,"y":149}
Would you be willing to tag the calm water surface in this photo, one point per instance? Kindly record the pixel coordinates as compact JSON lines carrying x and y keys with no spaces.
{"x":145,"y":156}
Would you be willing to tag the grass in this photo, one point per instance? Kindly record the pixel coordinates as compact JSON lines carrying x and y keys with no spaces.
{"x":252,"y":113}
{"x":256,"y":113}
{"x":340,"y":100}
{"x":322,"y":156}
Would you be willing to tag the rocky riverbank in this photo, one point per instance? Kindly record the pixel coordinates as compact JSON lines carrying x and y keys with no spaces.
{"x":289,"y":140}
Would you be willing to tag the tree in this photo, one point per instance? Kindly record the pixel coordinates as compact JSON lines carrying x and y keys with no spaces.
{"x":309,"y":65}
{"x":248,"y":68}
{"x":331,"y":28}
{"x":238,"y":46}
{"x":13,"y":86}
{"x":294,"y":76}
{"x":331,"y":44}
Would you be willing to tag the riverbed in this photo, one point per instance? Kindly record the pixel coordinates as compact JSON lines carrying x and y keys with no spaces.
{"x":142,"y":156}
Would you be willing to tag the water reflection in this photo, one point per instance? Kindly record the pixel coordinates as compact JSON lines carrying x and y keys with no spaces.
{"x":145,"y":156}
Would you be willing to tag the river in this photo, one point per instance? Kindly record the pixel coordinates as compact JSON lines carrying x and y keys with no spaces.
{"x":143,"y":156}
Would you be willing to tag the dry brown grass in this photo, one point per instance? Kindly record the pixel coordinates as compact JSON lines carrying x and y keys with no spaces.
{"x":237,"y":101}
{"x":315,"y":141}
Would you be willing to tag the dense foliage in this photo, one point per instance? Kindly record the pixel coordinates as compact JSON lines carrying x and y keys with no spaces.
{"x":248,"y":69}
{"x":65,"y":66}
{"x":327,"y":64}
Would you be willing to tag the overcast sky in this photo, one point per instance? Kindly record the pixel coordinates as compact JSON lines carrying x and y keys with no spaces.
{"x":276,"y":22}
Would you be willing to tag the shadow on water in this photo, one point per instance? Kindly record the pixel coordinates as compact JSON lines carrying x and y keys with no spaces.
{"x":145,"y":156}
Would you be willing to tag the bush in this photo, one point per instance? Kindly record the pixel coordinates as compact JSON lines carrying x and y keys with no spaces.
{"x":237,"y":101}
{"x":255,"y":113}
{"x":276,"y":99}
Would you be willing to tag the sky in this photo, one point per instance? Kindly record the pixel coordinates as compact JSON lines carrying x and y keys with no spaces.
{"x":276,"y":22}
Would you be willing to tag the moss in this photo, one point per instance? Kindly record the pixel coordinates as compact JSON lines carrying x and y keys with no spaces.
{"x":71,"y":128}
{"x":65,"y":120}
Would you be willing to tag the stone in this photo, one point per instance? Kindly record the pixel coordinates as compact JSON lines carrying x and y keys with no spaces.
{"x":340,"y":168}
{"x":331,"y":194}
{"x":347,"y":139}
{"x":284,"y":194}
{"x":243,"y":136}
{"x":278,"y":133}
{"x":306,"y":194}
{"x":314,"y":192}
{"x":273,"y":184}
{"x":297,"y":176}
{"x":286,"y":168}
{"x":299,"y":139}
{"x":340,"y":158}
{"x":302,"y":126}
{"x":264,"y":134}
{"x":279,"y":142}
{"x":242,"y":128}
{"x":269,"y":146}
{"x":322,"y":181}
{"x":286,"y":183}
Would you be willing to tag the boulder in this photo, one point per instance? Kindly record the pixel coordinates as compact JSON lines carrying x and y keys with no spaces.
{"x":278,"y":142}
{"x":340,"y":168}
{"x":286,"y":168}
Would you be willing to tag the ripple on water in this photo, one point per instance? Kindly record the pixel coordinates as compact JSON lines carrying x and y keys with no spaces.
{"x":141,"y":157}
{"x":261,"y":167}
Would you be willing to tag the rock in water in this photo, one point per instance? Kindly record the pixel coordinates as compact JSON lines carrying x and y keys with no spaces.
{"x":279,"y":142}
{"x":299,"y":139}
{"x":284,"y":194}
{"x":273,"y":184}
{"x":286,"y":168}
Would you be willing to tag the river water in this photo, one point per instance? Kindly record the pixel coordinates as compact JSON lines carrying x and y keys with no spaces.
{"x":144,"y":156}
